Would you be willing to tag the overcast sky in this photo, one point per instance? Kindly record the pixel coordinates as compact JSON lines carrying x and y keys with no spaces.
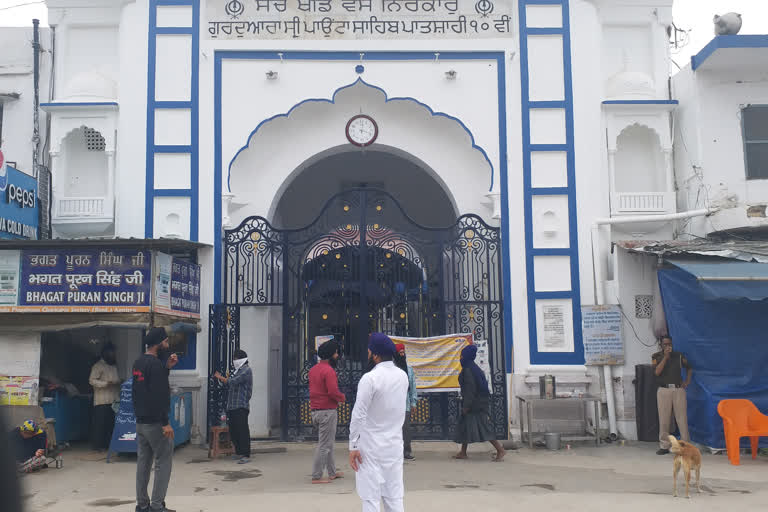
{"x":693,"y":15}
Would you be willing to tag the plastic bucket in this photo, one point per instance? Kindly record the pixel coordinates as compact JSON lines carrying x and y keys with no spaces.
{"x":552,"y":440}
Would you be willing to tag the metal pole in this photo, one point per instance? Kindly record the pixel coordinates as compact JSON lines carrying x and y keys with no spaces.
{"x":36,"y":111}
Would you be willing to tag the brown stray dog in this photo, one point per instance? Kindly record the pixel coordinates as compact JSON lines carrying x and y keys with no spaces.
{"x":689,"y":457}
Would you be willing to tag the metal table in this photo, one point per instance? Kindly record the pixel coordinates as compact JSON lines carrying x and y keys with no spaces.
{"x":526,"y":403}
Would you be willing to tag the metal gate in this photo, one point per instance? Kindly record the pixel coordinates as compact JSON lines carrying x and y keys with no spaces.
{"x":364,"y":265}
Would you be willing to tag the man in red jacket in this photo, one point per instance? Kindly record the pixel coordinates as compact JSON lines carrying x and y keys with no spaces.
{"x":324,"y":397}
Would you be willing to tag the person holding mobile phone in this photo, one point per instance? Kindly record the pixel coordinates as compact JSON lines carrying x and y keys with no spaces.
{"x":154,"y":433}
{"x":671,"y":394}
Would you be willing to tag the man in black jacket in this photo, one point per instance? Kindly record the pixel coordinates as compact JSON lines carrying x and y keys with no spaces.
{"x":154,"y":434}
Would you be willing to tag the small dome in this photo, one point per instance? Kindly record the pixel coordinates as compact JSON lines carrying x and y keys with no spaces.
{"x":91,"y":86}
{"x":630,"y":85}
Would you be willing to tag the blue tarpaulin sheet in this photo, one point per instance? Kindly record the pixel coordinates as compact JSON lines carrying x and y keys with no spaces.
{"x":726,"y":342}
{"x":729,"y":280}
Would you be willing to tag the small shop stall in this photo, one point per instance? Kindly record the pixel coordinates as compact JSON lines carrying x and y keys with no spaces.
{"x":78,"y":297}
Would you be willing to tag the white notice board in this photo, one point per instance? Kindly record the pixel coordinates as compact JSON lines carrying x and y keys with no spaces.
{"x":601,"y":329}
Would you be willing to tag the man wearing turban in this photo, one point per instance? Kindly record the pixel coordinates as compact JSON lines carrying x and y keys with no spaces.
{"x":376,"y":430}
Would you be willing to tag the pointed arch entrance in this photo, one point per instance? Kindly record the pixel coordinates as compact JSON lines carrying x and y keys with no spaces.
{"x":362,"y":265}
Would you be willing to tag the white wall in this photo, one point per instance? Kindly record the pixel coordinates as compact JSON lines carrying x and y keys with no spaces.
{"x":639,"y":161}
{"x":635,"y":275}
{"x":709,"y":136}
{"x":16,"y":76}
{"x":21,"y":354}
{"x":255,"y":340}
{"x":131,"y":128}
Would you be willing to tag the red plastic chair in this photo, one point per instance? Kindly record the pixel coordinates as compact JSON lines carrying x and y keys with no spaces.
{"x":741,"y":419}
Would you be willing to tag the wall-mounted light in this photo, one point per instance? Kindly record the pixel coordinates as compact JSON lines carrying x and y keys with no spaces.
{"x":451,"y":75}
{"x":271,"y":75}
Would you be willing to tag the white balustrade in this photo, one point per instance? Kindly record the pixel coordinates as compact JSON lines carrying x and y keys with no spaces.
{"x":80,"y":207}
{"x":643,"y":202}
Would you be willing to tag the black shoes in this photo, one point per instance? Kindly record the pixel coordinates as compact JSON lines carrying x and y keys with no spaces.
{"x":662,"y":451}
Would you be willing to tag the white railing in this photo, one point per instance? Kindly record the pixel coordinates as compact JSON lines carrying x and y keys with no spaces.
{"x":643,"y":202}
{"x":80,"y":207}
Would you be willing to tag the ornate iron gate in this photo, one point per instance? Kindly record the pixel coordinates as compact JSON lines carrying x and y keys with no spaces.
{"x":364,"y":265}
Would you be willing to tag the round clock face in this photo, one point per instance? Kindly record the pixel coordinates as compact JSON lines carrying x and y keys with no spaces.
{"x":362,"y":130}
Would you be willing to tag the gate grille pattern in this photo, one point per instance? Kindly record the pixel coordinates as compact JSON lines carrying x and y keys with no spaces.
{"x":364,"y":265}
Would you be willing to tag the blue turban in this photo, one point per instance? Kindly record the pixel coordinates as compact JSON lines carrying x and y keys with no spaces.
{"x":469,"y":353}
{"x":379,"y":344}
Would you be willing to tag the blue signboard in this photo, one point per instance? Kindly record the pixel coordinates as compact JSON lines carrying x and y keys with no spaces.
{"x":85,"y":281}
{"x":18,"y":204}
{"x":185,"y":287}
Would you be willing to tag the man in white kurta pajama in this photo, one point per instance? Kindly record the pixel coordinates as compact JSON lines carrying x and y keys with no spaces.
{"x":376,"y":430}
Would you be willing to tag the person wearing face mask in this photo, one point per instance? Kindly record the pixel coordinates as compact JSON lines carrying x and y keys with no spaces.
{"x":324,"y":398}
{"x":239,"y":391}
{"x":106,"y":391}
{"x":151,"y":395}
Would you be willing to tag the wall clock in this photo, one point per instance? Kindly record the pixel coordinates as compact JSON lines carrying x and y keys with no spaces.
{"x":362,"y":130}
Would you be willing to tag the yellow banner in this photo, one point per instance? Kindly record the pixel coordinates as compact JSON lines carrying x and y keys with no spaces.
{"x":435,"y":361}
{"x":18,"y":390}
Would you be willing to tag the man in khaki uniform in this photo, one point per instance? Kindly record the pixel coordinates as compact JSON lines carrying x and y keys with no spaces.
{"x":670,"y":396}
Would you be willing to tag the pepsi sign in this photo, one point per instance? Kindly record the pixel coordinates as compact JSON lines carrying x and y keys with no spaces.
{"x":18,"y":203}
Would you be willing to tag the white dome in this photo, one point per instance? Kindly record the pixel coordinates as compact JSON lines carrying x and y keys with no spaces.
{"x":631,"y":85}
{"x":91,"y":86}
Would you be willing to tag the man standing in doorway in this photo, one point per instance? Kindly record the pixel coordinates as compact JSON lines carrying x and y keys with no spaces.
{"x":324,"y":398}
{"x":106,"y":391}
{"x":154,"y":434}
{"x":410,"y":404}
{"x":240,"y":389}
{"x":671,"y":397}
{"x":376,"y":430}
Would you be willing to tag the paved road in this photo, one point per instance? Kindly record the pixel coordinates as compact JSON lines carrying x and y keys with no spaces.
{"x":585,"y":478}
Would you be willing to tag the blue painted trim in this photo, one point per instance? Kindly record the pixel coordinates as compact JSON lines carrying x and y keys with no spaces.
{"x":171,"y":149}
{"x":192,"y":105}
{"x":81,"y":104}
{"x":498,"y":57}
{"x":745,"y":41}
{"x":641,"y":102}
{"x":174,"y":31}
{"x":550,"y":191}
{"x":173,"y":104}
{"x":546,"y":147}
{"x":149,"y":206}
{"x":564,"y":295}
{"x":173,"y":192}
{"x":194,"y":214}
{"x":347,"y":56}
{"x":546,"y":104}
{"x":387,"y":99}
{"x":550,"y":358}
{"x":545,"y":31}
{"x":551,"y":252}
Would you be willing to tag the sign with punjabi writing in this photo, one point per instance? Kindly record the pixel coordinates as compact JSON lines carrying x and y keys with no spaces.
{"x":359,"y":19}
{"x":84,"y":281}
{"x":601,"y":328}
{"x":177,"y":286}
{"x":435,"y":360}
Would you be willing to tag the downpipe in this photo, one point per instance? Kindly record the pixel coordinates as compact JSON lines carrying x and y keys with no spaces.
{"x":599,"y":288}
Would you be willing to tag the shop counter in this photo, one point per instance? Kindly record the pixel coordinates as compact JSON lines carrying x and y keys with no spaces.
{"x":72,"y":415}
{"x":124,"y":434}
